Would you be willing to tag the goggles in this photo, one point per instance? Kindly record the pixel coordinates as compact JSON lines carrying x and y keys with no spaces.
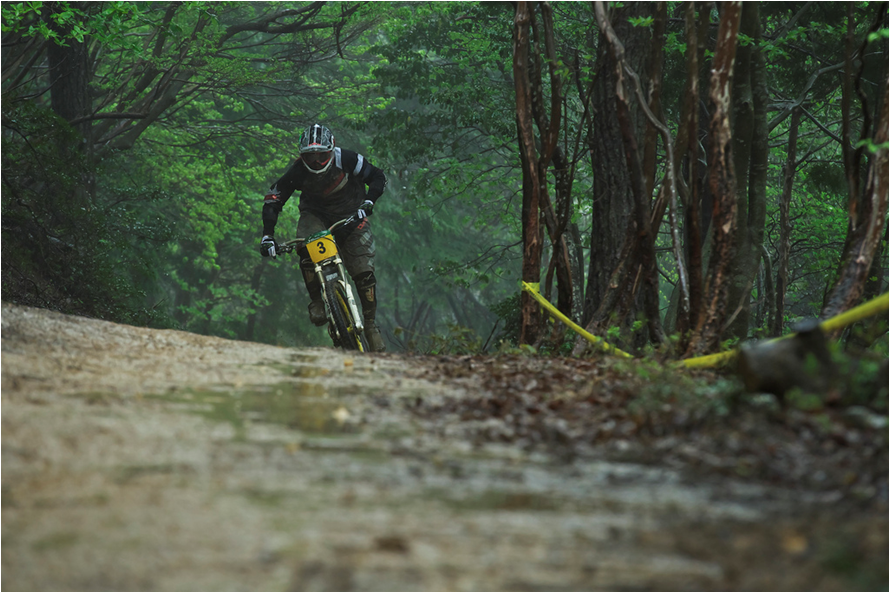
{"x":316,"y":160}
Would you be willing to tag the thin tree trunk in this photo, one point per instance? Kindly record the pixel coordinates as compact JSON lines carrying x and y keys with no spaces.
{"x":767,"y":294}
{"x":688,"y":141}
{"x":531,"y":183}
{"x":759,"y":166}
{"x":656,"y":59}
{"x":778,"y":323}
{"x":750,"y":151}
{"x":577,"y":247}
{"x":548,"y":129}
{"x":709,"y":327}
{"x":668,"y":192}
{"x":851,"y":155}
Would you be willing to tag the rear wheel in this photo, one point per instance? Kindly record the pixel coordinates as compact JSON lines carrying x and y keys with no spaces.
{"x":348,"y":337}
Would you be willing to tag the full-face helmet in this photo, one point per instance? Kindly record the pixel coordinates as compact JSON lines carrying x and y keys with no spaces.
{"x":316,"y":148}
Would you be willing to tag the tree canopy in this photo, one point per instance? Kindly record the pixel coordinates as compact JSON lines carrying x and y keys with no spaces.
{"x":712,"y":171}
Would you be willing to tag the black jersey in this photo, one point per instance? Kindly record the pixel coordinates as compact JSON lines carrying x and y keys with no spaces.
{"x":331,"y":195}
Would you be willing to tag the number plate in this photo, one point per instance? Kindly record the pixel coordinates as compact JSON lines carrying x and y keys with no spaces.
{"x":321,"y":247}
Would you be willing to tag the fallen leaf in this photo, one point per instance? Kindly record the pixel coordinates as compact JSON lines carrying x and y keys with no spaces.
{"x":341,"y":415}
{"x":794,"y":543}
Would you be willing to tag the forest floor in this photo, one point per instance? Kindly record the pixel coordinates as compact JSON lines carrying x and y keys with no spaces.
{"x":138,"y":459}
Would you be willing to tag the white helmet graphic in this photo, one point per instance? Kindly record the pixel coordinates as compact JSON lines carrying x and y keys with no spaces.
{"x":316,"y":148}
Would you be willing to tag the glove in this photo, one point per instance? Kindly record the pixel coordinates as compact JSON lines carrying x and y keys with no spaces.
{"x":365,"y":210}
{"x":268,"y":246}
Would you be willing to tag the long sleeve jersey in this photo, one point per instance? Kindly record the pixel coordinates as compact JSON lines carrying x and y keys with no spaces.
{"x":337,"y":193}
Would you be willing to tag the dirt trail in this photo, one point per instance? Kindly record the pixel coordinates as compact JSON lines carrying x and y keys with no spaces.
{"x":137,"y":459}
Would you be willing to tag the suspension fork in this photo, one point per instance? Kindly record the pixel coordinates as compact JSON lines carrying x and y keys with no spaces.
{"x":339,"y":276}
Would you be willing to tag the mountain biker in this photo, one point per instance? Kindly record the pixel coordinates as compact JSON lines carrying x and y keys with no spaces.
{"x":332,"y":183}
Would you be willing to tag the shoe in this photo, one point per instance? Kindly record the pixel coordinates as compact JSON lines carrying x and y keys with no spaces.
{"x":372,"y":334}
{"x":316,"y":313}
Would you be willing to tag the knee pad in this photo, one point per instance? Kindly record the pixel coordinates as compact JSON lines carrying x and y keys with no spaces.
{"x":365,"y":280}
{"x":305,"y":260}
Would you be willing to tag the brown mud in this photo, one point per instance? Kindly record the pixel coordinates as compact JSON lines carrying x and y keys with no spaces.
{"x":138,"y":459}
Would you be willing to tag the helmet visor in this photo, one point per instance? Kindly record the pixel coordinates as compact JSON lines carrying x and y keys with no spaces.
{"x":316,"y":160}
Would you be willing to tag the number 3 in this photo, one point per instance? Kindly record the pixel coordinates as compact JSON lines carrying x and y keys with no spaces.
{"x":320,"y":245}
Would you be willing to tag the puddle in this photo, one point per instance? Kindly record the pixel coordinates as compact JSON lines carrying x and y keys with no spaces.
{"x":494,"y":500}
{"x":302,"y":405}
{"x":304,"y":358}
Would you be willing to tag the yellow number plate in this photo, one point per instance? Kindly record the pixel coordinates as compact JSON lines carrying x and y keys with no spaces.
{"x":321,"y":248}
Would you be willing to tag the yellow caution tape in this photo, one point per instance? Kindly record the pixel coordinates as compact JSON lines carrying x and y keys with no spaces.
{"x":709,"y":361}
{"x":872,"y":307}
{"x":532,"y":289}
{"x":858,"y":313}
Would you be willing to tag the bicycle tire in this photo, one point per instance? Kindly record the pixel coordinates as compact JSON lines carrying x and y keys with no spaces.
{"x":356,"y":338}
{"x":344,"y":323}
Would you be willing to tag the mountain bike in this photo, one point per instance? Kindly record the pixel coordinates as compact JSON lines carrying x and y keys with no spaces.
{"x":345,"y":322}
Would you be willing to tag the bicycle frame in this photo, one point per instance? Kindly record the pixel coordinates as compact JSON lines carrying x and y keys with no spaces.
{"x":329,"y":268}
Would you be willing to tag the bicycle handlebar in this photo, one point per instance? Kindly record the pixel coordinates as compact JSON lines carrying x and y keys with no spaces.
{"x":295,"y":244}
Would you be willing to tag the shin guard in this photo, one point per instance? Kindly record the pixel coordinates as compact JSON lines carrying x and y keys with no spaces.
{"x":366,"y":283}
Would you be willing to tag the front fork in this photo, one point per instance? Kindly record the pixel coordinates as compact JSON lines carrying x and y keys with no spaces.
{"x":338,"y":274}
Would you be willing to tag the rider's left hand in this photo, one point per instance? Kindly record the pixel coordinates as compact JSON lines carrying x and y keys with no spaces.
{"x":365,"y":210}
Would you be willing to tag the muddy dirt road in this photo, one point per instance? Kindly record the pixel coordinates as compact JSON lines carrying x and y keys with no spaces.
{"x":136,"y":459}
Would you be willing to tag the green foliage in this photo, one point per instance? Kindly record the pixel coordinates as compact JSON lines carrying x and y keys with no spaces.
{"x":506,"y":348}
{"x":456,"y":340}
{"x":65,"y":248}
{"x":665,"y":395}
{"x":164,"y":222}
{"x":880,"y":34}
{"x":62,"y":22}
{"x":870,"y":145}
{"x":642,"y":21}
{"x":509,"y":313}
{"x":804,"y":401}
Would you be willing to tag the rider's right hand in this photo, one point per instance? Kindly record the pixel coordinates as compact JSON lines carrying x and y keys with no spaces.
{"x":268,"y":246}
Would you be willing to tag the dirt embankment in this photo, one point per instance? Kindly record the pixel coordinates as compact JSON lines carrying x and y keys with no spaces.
{"x":135,"y":459}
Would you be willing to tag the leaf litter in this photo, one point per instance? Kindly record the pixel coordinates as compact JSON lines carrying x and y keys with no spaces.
{"x":700,"y":421}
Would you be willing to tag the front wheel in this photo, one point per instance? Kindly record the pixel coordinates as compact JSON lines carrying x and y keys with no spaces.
{"x":344,"y":334}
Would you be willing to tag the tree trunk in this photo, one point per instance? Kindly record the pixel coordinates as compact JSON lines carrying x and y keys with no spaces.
{"x":69,"y":75}
{"x":778,"y":323}
{"x":851,"y":155}
{"x":577,"y":248}
{"x":612,"y":200}
{"x":554,"y":218}
{"x":709,"y":327}
{"x":531,"y":183}
{"x":645,"y":250}
{"x":751,"y":150}
{"x":766,"y":292}
{"x":758,"y":169}
{"x":878,"y":271}
{"x":687,"y":141}
{"x":867,"y":218}
{"x":656,"y":59}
